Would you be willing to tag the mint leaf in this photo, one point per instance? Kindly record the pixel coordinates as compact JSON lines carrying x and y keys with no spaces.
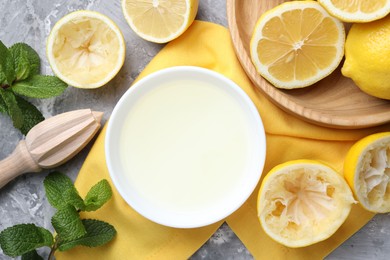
{"x":60,"y":191}
{"x":32,"y":255}
{"x":99,"y":194}
{"x":67,"y":223}
{"x":21,"y":49}
{"x":6,"y":64}
{"x":31,"y":115}
{"x":23,"y":238}
{"x":21,"y":63}
{"x":2,"y":78}
{"x":3,"y":106}
{"x":12,"y":107}
{"x":39,"y":86}
{"x":98,"y":234}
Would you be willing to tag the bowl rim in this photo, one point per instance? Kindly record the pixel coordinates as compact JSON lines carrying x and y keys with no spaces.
{"x":250,"y":109}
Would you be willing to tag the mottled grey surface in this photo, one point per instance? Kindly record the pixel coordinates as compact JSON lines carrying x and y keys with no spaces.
{"x":23,"y":200}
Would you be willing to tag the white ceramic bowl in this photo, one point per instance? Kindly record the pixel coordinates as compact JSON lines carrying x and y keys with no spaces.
{"x":134,"y":165}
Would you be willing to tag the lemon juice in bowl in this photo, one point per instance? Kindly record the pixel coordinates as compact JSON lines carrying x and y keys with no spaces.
{"x":185,"y":147}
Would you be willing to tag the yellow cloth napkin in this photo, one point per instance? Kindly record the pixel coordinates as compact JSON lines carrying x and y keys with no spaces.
{"x":209,"y":45}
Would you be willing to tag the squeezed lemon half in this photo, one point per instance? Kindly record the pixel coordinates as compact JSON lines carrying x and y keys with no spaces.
{"x":302,"y":202}
{"x":297,"y":44}
{"x":86,"y":49}
{"x":159,"y":21}
{"x":367,"y":170}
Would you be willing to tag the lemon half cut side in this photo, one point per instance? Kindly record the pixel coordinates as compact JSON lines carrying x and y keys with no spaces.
{"x":85,"y":49}
{"x":159,"y":21}
{"x":296,"y":44}
{"x":357,"y":10}
{"x":303,"y":202}
{"x":367,"y":170}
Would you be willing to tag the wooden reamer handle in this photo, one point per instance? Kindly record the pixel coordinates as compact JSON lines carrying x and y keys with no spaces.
{"x":19,"y":162}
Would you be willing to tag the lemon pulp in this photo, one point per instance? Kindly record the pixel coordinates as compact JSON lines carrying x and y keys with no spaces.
{"x":303,"y":202}
{"x":296,"y":44}
{"x":357,"y":10}
{"x":85,"y":49}
{"x":159,"y":20}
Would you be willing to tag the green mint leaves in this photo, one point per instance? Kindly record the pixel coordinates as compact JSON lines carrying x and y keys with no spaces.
{"x":98,"y":233}
{"x":61,"y":192}
{"x":39,"y":86}
{"x":67,"y":223}
{"x":19,"y":76}
{"x":23,"y":238}
{"x":27,"y":62}
{"x":98,"y":195}
{"x":12,"y":108}
{"x":71,"y":231}
{"x":32,"y":255}
{"x":7,"y":66}
{"x":31,"y":115}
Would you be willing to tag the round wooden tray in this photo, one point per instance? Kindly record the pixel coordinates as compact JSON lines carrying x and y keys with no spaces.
{"x":333,"y":102}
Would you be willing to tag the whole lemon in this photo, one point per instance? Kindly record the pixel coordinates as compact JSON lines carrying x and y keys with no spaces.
{"x":367,"y":57}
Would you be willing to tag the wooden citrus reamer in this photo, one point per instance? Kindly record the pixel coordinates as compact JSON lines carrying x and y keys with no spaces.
{"x":51,"y":143}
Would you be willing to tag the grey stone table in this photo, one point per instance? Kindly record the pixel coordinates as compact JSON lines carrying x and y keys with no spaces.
{"x":23,"y":200}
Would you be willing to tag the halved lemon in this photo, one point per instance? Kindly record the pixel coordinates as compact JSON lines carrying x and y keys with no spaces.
{"x":357,"y":10}
{"x":367,"y":170}
{"x":159,"y":21}
{"x":85,"y":49}
{"x":297,"y":44}
{"x":302,"y":202}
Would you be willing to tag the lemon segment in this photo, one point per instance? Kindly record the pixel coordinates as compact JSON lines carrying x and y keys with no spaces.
{"x":297,"y":44}
{"x":85,"y":49}
{"x":367,"y":170}
{"x":302,"y":202}
{"x":367,"y":49}
{"x":357,"y":10}
{"x":159,"y":21}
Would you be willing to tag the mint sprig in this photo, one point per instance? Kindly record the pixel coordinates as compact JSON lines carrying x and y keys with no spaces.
{"x":71,"y":230}
{"x":20,"y":76}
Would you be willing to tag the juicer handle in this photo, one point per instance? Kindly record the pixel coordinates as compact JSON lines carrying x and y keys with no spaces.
{"x":19,"y":162}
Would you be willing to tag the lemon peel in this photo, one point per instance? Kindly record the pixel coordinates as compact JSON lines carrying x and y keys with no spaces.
{"x":367,"y":49}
